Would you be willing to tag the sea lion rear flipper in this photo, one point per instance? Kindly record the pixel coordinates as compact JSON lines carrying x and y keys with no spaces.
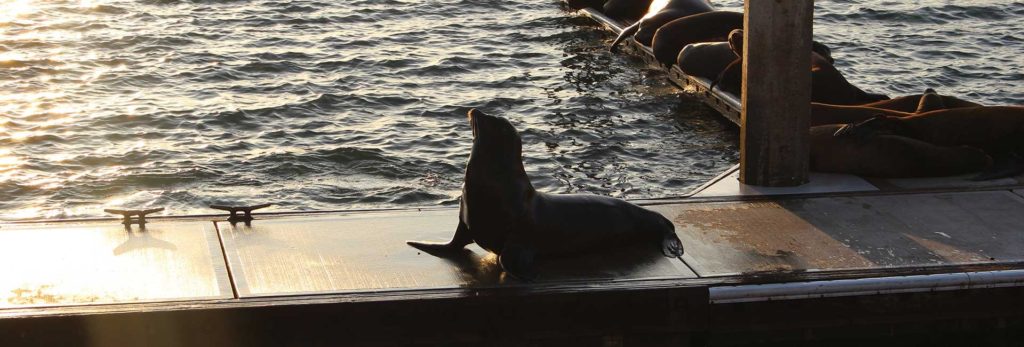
{"x":930,"y":101}
{"x":1004,"y":165}
{"x":671,"y":246}
{"x":517,"y":260}
{"x":458,"y":242}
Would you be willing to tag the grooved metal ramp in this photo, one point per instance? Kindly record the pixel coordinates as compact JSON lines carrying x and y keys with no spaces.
{"x":102,"y":263}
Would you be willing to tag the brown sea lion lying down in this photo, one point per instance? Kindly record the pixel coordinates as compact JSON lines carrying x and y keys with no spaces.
{"x":670,"y":39}
{"x":996,"y":130}
{"x":890,"y":155}
{"x":827,"y":84}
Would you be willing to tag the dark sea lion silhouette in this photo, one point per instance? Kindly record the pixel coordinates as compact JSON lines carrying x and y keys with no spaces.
{"x":997,"y":130}
{"x":501,"y":211}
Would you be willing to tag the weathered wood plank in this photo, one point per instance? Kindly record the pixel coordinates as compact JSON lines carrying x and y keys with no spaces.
{"x":774,"y":138}
{"x":102,"y":263}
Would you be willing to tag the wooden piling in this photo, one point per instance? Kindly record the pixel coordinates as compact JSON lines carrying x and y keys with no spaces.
{"x":774,"y":140}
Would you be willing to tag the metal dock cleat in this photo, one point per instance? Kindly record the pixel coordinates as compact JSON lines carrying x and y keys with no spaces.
{"x":235,"y":217}
{"x":127,"y":215}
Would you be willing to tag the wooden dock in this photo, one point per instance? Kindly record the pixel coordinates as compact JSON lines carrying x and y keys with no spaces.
{"x":842,"y":259}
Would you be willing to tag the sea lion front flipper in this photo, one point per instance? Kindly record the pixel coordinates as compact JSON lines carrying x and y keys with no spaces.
{"x":458,"y":242}
{"x":1004,"y":165}
{"x":517,"y":260}
{"x":626,"y":33}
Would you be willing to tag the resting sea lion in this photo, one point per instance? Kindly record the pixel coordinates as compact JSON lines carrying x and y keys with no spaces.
{"x":644,"y":29}
{"x":822,"y":114}
{"x":627,"y":10}
{"x":581,"y":4}
{"x":912,"y":103}
{"x":997,"y":130}
{"x":703,"y":27}
{"x":706,"y":59}
{"x":502,"y":213}
{"x":827,"y":84}
{"x":890,"y":156}
{"x":994,"y":128}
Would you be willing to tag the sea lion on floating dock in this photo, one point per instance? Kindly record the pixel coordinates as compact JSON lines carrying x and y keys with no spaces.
{"x":997,"y":130}
{"x":626,"y":10}
{"x":827,"y":84}
{"x":822,"y":114}
{"x":644,"y":29}
{"x":502,"y":212}
{"x":903,"y":106}
{"x":581,"y":4}
{"x":913,"y":103}
{"x":890,"y":156}
{"x":993,"y":128}
{"x":670,"y":39}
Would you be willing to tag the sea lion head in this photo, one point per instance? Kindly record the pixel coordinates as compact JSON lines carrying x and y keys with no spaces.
{"x":495,"y":139}
{"x":822,"y":50}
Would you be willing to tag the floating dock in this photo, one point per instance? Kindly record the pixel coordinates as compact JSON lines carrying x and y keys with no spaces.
{"x":840,"y":259}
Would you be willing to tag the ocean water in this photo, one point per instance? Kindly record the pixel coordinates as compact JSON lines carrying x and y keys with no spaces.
{"x":326,"y":105}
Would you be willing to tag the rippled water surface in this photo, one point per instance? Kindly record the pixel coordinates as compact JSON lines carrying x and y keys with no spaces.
{"x":361,"y":104}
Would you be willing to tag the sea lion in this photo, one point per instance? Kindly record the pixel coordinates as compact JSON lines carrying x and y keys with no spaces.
{"x":899,"y":107}
{"x":890,"y":156}
{"x":827,"y":84}
{"x":501,"y":211}
{"x":912,"y":103}
{"x":991,"y":128}
{"x":702,"y":27}
{"x":997,"y":130}
{"x":581,"y":4}
{"x":644,"y":29}
{"x":626,"y":10}
{"x":706,"y":59}
{"x":822,"y":114}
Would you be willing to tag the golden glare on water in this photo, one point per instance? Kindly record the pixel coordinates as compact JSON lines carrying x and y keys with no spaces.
{"x":12,"y":9}
{"x":655,"y":7}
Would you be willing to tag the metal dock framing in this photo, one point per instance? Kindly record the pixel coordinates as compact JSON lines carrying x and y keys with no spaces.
{"x":840,"y":261}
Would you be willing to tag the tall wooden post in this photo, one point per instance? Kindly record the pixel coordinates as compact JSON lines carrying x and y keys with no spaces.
{"x":774,"y":140}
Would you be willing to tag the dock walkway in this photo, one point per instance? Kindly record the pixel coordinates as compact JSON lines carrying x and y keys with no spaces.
{"x":840,"y":258}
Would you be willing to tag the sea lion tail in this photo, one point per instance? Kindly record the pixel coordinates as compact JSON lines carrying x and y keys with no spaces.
{"x":671,"y":246}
